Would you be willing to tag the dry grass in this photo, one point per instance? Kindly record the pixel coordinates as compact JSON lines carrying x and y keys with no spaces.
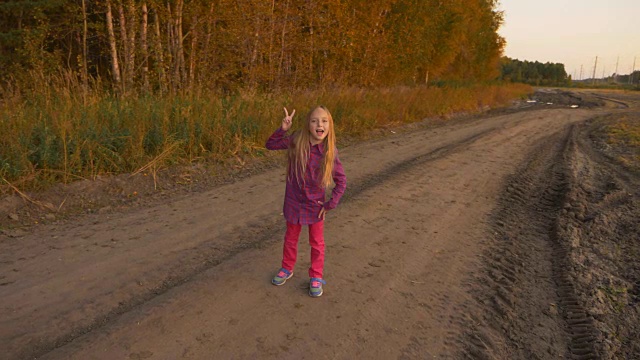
{"x":60,"y":134}
{"x":624,"y":135}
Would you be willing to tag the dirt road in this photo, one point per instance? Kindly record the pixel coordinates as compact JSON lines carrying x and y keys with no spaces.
{"x":484,"y":238}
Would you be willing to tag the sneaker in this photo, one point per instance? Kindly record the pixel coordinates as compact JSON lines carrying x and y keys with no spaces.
{"x":281,"y":277}
{"x":315,"y":287}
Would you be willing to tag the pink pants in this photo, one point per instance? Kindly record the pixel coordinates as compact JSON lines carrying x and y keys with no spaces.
{"x":316,"y":240}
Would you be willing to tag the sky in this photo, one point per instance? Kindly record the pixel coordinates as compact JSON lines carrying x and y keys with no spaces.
{"x":574,"y":32}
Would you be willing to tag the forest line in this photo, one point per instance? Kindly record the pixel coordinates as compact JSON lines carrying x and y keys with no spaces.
{"x":169,"y":46}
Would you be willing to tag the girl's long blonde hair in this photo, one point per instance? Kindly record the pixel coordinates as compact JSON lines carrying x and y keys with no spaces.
{"x":300,"y":147}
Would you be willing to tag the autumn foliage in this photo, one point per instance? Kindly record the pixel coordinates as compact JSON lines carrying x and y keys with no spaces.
{"x":179,"y":45}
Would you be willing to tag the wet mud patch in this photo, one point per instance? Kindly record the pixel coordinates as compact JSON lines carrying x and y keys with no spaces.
{"x":548,"y":98}
{"x":565,"y":98}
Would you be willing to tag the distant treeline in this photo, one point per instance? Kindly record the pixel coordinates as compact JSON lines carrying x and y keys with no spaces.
{"x":633,"y":78}
{"x":177,"y":45}
{"x":615,"y":79}
{"x":534,"y":73}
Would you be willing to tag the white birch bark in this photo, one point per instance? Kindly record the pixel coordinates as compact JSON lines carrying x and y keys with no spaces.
{"x":115,"y":67}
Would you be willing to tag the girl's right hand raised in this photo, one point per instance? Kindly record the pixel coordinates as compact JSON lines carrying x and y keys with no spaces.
{"x":286,"y":122}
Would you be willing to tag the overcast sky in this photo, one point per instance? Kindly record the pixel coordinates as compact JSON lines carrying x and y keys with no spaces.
{"x":574,"y":32}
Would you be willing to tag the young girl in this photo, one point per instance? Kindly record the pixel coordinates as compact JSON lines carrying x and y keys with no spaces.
{"x":313,"y":165}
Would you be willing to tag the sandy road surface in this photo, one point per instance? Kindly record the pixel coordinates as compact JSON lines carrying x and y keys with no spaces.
{"x":416,"y":265}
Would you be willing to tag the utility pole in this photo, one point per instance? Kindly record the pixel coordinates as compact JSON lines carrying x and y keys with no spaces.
{"x":580,"y":71}
{"x":633,"y":69}
{"x":617,"y":62}
{"x":593,"y":76}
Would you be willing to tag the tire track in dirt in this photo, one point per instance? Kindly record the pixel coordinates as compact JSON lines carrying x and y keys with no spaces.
{"x":620,"y":104}
{"x":579,"y":322}
{"x":523,"y":219}
{"x":372,"y":180}
{"x":516,"y":284}
{"x":543,"y":259}
{"x":200,"y":258}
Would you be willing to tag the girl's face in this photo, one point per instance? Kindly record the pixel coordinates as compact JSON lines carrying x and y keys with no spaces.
{"x":319,"y":125}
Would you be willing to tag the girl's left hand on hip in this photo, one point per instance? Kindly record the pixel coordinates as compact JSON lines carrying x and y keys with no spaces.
{"x":323,"y":212}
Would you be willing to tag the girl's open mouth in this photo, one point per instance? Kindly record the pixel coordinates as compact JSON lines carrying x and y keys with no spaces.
{"x":319,"y":131}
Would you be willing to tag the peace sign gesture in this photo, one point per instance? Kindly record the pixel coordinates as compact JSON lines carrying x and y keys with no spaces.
{"x":286,"y":122}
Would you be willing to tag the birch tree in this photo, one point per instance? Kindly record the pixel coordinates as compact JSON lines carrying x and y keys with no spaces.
{"x":144,"y":46}
{"x":115,"y":67}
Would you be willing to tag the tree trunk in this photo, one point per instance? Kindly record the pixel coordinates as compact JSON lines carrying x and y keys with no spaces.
{"x":145,"y":47}
{"x":131,"y":39}
{"x":282,"y":42}
{"x":171,"y":44}
{"x":159,"y":53}
{"x":205,"y":51}
{"x":115,"y":68}
{"x":254,"y":55}
{"x":271,"y":36}
{"x":311,"y":44}
{"x":20,"y":17}
{"x":125,"y":46}
{"x":85,"y":29}
{"x":193,"y":55}
{"x":180,"y":71}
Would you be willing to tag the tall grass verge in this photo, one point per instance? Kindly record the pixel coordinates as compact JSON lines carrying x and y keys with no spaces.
{"x":623,"y":135}
{"x":62,"y":133}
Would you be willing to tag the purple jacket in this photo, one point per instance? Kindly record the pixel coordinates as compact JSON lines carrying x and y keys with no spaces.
{"x":301,"y":200}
